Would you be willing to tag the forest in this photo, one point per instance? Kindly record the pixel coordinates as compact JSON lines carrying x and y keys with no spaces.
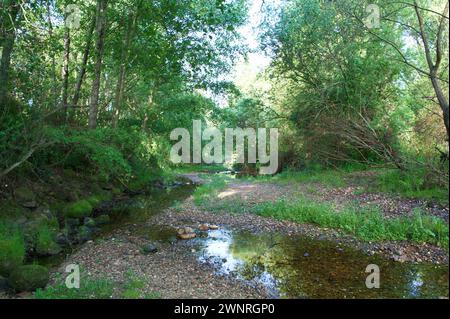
{"x":90,"y":91}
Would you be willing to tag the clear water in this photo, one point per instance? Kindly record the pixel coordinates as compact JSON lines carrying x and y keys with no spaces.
{"x":299,"y":267}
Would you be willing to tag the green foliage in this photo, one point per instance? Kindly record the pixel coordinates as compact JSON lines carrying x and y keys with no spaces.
{"x":365,"y":224}
{"x":78,"y":209}
{"x":12,"y":248}
{"x":29,"y":278}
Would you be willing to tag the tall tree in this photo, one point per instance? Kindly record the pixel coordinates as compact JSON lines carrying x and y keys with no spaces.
{"x":99,"y":49}
{"x":9,"y":13}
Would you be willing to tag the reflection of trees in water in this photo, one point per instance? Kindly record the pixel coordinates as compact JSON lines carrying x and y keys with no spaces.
{"x":329,"y":272}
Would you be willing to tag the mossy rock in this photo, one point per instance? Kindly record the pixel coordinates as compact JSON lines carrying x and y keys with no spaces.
{"x":84,"y":234}
{"x":24,"y":194}
{"x":102,"y":220}
{"x":10,"y":258}
{"x":79,"y":209}
{"x":47,"y":248}
{"x":89,"y":222}
{"x":12,"y":249}
{"x":29,"y":278}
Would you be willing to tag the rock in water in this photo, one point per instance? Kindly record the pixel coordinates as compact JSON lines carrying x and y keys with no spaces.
{"x":187,"y":236}
{"x":203,"y":227}
{"x":213,"y":227}
{"x":29,"y":278}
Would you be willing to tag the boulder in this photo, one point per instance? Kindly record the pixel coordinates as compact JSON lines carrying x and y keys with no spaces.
{"x":213,"y":227}
{"x":29,"y":278}
{"x":203,"y":227}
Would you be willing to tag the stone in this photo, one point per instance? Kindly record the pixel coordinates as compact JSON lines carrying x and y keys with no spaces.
{"x":213,"y":227}
{"x":89,"y":222}
{"x":61,"y":239}
{"x":31,"y":204}
{"x":24,"y":194}
{"x":29,"y":278}
{"x":203,"y":227}
{"x":187,"y":236}
{"x":149,"y":248}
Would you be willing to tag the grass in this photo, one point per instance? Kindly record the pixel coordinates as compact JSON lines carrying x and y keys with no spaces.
{"x":411,"y":184}
{"x":333,"y":178}
{"x":209,"y":190}
{"x":367,"y":225}
{"x":212,"y":168}
{"x":90,"y":288}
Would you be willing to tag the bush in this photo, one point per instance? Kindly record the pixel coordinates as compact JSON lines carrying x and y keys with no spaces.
{"x":12,"y":248}
{"x":29,"y":278}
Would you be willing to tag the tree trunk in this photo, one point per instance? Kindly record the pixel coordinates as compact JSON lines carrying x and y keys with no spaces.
{"x":434,"y":66}
{"x":9,"y":35}
{"x":65,"y":73}
{"x":99,"y":48}
{"x":118,"y":100}
{"x":82,"y":71}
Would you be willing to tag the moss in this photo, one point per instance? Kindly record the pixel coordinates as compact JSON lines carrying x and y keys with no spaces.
{"x":12,"y":249}
{"x":24,"y":194}
{"x":79,"y":209}
{"x":29,"y":278}
{"x":45,"y":244}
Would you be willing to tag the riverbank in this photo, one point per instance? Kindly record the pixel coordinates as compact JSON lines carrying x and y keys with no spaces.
{"x":215,"y":264}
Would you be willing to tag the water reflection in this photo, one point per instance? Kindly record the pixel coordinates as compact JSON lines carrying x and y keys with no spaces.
{"x":297,"y":267}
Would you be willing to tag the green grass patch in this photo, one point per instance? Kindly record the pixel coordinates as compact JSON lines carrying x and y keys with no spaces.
{"x":212,"y":168}
{"x":12,"y":248}
{"x":333,"y":178}
{"x":410,"y":184}
{"x":365,"y":224}
{"x":133,"y":288}
{"x":89,"y":289}
{"x":209,"y":190}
